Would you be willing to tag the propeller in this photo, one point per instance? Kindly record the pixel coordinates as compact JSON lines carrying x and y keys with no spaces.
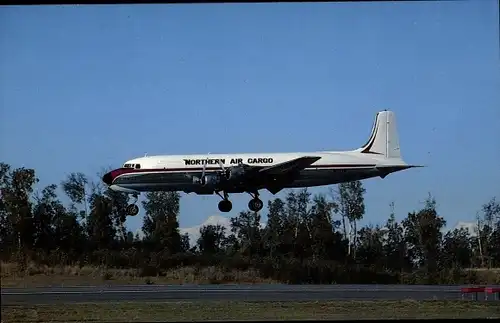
{"x":221,"y":165}
{"x":202,"y":179}
{"x":225,"y":171}
{"x":203,"y":170}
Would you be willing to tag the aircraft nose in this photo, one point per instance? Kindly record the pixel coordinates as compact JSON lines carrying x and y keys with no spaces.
{"x":107,"y":178}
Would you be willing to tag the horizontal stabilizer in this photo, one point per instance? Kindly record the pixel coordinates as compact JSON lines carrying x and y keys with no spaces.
{"x":388,"y":169}
{"x":397,"y":167}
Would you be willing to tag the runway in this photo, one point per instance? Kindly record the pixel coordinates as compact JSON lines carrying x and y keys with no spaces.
{"x":175,"y":293}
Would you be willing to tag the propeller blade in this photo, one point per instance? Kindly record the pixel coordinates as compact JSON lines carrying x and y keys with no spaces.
{"x":204,"y":166}
{"x":221,"y":165}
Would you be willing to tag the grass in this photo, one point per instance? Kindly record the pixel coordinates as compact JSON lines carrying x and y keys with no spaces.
{"x":198,"y":311}
{"x":40,"y":275}
{"x":36,"y":275}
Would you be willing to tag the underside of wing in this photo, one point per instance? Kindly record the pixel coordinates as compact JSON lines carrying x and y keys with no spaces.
{"x":290,"y":166}
{"x":244,"y":178}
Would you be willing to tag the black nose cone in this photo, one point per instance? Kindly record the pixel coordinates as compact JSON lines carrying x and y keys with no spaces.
{"x":107,"y":178}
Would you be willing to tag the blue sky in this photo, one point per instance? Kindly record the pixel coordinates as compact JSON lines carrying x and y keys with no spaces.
{"x":87,"y":87}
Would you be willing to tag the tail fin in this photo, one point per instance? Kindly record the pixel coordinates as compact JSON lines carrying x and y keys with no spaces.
{"x":384,"y":139}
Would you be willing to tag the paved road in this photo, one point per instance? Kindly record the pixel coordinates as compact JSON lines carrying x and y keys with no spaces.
{"x":152,"y":293}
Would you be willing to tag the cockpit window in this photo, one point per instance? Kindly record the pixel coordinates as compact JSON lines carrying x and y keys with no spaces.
{"x":136,"y":166}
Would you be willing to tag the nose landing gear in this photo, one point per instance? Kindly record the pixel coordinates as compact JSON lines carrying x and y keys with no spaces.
{"x":133,"y":209}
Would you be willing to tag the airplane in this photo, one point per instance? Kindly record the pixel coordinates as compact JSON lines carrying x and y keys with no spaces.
{"x":225,"y":174}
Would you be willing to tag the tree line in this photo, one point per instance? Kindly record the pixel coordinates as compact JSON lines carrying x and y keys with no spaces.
{"x":307,"y":238}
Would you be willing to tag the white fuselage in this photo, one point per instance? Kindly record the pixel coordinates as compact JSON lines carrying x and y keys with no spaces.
{"x":174,"y":172}
{"x":380,"y":156}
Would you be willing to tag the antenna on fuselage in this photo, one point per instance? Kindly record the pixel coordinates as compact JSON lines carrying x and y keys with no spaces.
{"x":145,"y":154}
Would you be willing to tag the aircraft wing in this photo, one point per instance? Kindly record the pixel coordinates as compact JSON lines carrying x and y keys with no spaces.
{"x":288,"y":166}
{"x":247,"y":177}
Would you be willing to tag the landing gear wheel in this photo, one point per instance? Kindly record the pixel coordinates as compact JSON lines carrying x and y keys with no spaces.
{"x":255,"y":205}
{"x":132,"y":210}
{"x":225,"y":206}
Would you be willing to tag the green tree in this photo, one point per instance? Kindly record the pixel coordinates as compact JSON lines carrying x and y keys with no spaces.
{"x":185,"y":244}
{"x":486,"y":223}
{"x":275,"y":228}
{"x":16,"y":193}
{"x":246,"y":227}
{"x":7,"y":231}
{"x":69,"y":235}
{"x":46,"y":210}
{"x":100,"y":228}
{"x":75,"y":187}
{"x":298,"y":224}
{"x":118,"y":203}
{"x":457,"y":249}
{"x":395,"y":248}
{"x":351,"y":207}
{"x":494,"y":244}
{"x":371,"y":246}
{"x":326,"y":242}
{"x":160,"y":226}
{"x":212,"y":239}
{"x":423,"y":236}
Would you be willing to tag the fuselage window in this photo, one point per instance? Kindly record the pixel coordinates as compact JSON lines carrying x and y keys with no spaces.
{"x":126,"y":166}
{"x":137,"y":166}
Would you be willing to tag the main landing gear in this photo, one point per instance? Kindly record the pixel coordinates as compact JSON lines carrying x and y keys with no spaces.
{"x":132,"y":208}
{"x":225,"y":205}
{"x":255,"y":204}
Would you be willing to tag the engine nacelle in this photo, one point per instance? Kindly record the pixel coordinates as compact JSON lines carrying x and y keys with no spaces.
{"x":208,"y":180}
{"x":235,"y":172}
{"x":215,"y":179}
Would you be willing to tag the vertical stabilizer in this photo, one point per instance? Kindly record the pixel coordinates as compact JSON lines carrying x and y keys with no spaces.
{"x":384,"y":139}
